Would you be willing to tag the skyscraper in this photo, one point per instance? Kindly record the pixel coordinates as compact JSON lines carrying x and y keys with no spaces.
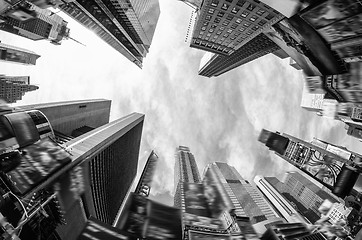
{"x":224,"y":26}
{"x":335,"y":167}
{"x":185,"y":171}
{"x":247,"y":199}
{"x":127,"y":26}
{"x":13,"y":88}
{"x":32,"y":22}
{"x":102,"y":168}
{"x":217,"y":64}
{"x":144,"y":184}
{"x":15,"y":54}
{"x":71,"y":117}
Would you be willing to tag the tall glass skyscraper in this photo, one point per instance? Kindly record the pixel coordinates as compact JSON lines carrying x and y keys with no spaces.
{"x":247,"y":199}
{"x":127,"y":26}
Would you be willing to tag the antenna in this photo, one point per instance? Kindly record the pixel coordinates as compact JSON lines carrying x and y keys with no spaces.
{"x":76,"y":41}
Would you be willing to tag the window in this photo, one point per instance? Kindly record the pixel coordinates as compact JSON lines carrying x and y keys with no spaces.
{"x":236,"y":34}
{"x":240,"y":3}
{"x":229,"y":31}
{"x":220,"y":14}
{"x":250,"y":7}
{"x":253,"y":18}
{"x":217,"y":20}
{"x":214,"y":3}
{"x":201,"y":32}
{"x":260,"y":12}
{"x":211,"y":10}
{"x":234,"y":26}
{"x":262,"y":22}
{"x":208,"y":17}
{"x":226,"y":35}
{"x":246,"y":24}
{"x":222,"y":28}
{"x":255,"y":28}
{"x":212,"y":30}
{"x":218,"y":33}
{"x":270,"y":16}
{"x":238,"y":20}
{"x":235,"y":10}
{"x":241,"y":29}
{"x":226,"y":22}
{"x":203,"y":28}
{"x":232,"y":38}
{"x":245,"y":14}
{"x":225,"y":6}
{"x":209,"y":34}
{"x":213,"y":26}
{"x":230,"y":17}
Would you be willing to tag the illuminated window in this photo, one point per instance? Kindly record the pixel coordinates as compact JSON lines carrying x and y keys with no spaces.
{"x":229,"y":31}
{"x":226,"y":22}
{"x":214,"y":3}
{"x":208,"y":17}
{"x":246,"y":24}
{"x":220,"y":14}
{"x":225,"y":6}
{"x":235,"y":10}
{"x":245,"y":14}
{"x":211,"y":10}
{"x":229,"y":17}
{"x":217,"y":20}
{"x":211,"y":30}
{"x":253,"y":18}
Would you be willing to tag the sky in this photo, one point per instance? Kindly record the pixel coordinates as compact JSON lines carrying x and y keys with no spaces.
{"x":218,"y":118}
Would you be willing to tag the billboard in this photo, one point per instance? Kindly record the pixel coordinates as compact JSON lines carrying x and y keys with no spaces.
{"x":198,"y":235}
{"x":144,"y":218}
{"x":331,"y":11}
{"x":23,"y":128}
{"x":195,"y":200}
{"x":203,"y":222}
{"x":345,"y":181}
{"x":37,"y":162}
{"x":339,"y":151}
{"x":274,"y":141}
{"x":96,"y":229}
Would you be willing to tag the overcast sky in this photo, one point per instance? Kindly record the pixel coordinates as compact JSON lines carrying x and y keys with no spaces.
{"x":218,"y":118}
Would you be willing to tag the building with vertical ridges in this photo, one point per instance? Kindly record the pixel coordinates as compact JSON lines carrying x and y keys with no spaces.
{"x":275,"y":197}
{"x":224,"y":26}
{"x":68,"y":116}
{"x":13,"y":88}
{"x":218,"y":64}
{"x":43,"y":24}
{"x":127,"y":26}
{"x":10,"y":53}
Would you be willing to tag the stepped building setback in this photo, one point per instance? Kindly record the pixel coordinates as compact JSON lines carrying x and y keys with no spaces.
{"x":13,"y":88}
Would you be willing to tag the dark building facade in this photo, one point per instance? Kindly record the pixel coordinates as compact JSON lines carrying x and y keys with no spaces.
{"x":219,"y":64}
{"x":13,"y":88}
{"x":223,"y":26}
{"x":127,"y":26}
{"x":14,"y":54}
